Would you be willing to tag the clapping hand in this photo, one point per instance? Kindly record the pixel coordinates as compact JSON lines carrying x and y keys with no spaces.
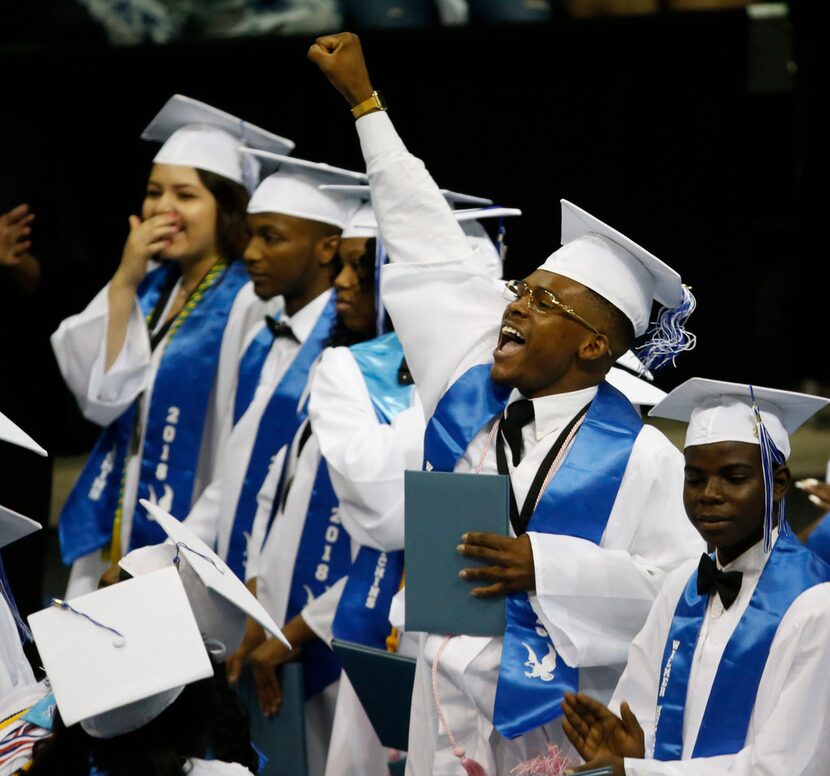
{"x":600,"y":737}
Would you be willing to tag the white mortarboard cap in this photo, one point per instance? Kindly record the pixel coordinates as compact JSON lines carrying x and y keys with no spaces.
{"x":634,"y":381}
{"x":616,"y":268}
{"x":219,"y":599}
{"x":295,"y":189}
{"x":114,"y":683}
{"x":14,"y":526}
{"x":11,"y":432}
{"x":362,"y":223}
{"x":195,"y":134}
{"x":455,"y":198}
{"x":718,"y":411}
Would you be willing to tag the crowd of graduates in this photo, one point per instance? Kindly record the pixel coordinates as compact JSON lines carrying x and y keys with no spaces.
{"x":280,"y":343}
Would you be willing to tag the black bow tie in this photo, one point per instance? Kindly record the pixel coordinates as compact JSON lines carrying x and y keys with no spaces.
{"x":710,"y":579}
{"x":279,"y":329}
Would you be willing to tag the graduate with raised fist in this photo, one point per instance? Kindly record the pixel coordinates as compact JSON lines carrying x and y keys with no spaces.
{"x":518,"y":387}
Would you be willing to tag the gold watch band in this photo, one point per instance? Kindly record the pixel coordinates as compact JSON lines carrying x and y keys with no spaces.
{"x":375,"y":102}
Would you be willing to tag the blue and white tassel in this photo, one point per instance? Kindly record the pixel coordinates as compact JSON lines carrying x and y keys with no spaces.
{"x":6,"y":590}
{"x":668,"y":338}
{"x":771,"y":459}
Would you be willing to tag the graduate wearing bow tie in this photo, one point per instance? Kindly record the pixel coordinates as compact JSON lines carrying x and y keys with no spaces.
{"x":730,"y":674}
{"x":295,"y":231}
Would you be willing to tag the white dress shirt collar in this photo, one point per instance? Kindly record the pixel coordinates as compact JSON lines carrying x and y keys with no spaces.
{"x":554,"y":412}
{"x":303,"y":321}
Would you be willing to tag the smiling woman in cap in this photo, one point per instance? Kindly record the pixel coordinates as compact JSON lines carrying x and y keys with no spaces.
{"x":597,"y":515}
{"x":145,"y":359}
{"x":730,"y":674}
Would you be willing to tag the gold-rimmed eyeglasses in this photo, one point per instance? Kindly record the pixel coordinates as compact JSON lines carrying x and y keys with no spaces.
{"x":543,"y":302}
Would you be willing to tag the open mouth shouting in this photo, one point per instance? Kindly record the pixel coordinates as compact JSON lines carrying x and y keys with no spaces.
{"x":511,"y":341}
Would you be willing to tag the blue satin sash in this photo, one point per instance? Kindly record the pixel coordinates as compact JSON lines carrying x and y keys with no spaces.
{"x":362,"y":616}
{"x":578,"y":502}
{"x":250,"y":368}
{"x":277,"y":426}
{"x":790,"y":570}
{"x":176,"y":418}
{"x":324,"y":556}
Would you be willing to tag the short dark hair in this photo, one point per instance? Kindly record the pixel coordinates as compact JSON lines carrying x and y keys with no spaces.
{"x":621,"y":330}
{"x":232,"y":232}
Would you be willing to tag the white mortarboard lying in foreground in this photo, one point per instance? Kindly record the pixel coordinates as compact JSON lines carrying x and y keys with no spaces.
{"x":118,"y":657}
{"x":717,"y":411}
{"x":634,"y":381}
{"x":293,"y":189}
{"x":11,"y":432}
{"x":196,"y":134}
{"x":219,"y":599}
{"x":627,"y":275}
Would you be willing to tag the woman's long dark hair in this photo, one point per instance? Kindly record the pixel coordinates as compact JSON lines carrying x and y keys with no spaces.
{"x":206,"y":717}
{"x":231,"y":217}
{"x":340,"y":336}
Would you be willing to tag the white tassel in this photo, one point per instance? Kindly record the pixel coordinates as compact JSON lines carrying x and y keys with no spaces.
{"x":668,"y":338}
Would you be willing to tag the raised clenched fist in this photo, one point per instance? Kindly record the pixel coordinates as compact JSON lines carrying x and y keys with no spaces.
{"x":340,"y":57}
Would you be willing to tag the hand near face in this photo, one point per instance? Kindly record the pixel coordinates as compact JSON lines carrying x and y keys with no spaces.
{"x":15,"y":229}
{"x":146,"y":239}
{"x":600,"y":737}
{"x":340,"y":57}
{"x":509,"y":568}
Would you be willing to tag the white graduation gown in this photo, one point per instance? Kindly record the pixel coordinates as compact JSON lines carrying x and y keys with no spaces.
{"x":271,"y":562}
{"x":80,"y":344}
{"x":212,"y":516}
{"x":366,"y":460}
{"x":15,"y":671}
{"x":788,"y":728}
{"x":197,"y":767}
{"x":591,"y":598}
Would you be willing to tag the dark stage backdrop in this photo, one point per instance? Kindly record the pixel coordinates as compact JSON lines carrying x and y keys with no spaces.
{"x":646,"y":122}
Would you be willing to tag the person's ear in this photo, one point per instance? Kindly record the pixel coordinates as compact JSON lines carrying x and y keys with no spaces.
{"x":325,"y":249}
{"x":781,"y":481}
{"x":595,"y":347}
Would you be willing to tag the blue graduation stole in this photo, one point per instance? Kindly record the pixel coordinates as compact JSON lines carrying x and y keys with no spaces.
{"x":175,"y":421}
{"x":280,"y":421}
{"x":323,"y":557}
{"x":790,"y":570}
{"x":362,"y":616}
{"x":578,"y":502}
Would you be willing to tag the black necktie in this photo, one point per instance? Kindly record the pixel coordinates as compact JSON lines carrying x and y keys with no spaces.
{"x":279,"y":329}
{"x":710,"y":579}
{"x":518,"y":415}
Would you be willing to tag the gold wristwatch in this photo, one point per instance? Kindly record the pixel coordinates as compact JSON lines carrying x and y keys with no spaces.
{"x":375,"y":102}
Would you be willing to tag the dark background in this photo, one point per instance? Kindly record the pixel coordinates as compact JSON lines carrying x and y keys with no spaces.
{"x":683,"y":130}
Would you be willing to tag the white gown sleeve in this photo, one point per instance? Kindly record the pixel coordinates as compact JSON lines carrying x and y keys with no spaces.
{"x":593,"y":599}
{"x":319,"y":614}
{"x":787,"y":732}
{"x":80,"y":344}
{"x":446,"y":317}
{"x":366,"y":458}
